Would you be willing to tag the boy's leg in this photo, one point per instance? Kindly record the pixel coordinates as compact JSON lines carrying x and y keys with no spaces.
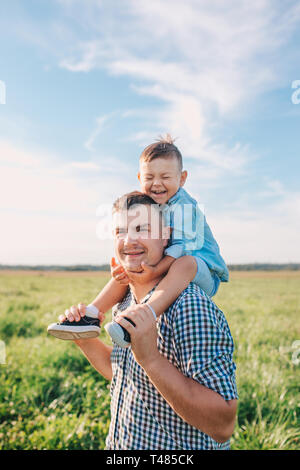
{"x":216,"y":286}
{"x":205,"y":279}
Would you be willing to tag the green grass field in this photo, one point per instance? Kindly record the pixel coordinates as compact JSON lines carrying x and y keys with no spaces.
{"x":51,"y":398}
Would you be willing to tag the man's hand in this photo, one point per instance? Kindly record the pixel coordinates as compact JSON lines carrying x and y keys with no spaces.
{"x":118,"y":272}
{"x":75,"y":313}
{"x":143,"y":334}
{"x":147,"y":274}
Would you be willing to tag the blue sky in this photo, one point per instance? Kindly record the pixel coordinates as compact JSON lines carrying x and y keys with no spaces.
{"x":90,"y":83}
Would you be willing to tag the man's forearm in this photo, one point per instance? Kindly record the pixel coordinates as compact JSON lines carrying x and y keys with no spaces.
{"x":98,"y":354}
{"x":196,"y":404}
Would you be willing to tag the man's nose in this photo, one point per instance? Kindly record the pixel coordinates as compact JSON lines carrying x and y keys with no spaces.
{"x":131,"y":237}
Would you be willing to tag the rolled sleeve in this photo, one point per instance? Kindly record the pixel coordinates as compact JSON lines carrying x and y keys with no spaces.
{"x":203,"y":345}
{"x":182,"y":220}
{"x":176,"y":251}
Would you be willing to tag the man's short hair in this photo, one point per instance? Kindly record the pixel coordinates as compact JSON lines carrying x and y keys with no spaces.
{"x":163,"y":148}
{"x":132,"y":199}
{"x":135,"y":198}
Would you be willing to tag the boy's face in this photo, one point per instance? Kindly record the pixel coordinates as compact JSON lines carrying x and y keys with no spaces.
{"x":161,"y":178}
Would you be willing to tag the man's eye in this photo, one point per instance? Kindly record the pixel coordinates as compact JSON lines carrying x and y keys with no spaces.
{"x":142,"y":229}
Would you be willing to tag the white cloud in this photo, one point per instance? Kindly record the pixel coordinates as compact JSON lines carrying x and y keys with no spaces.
{"x":11,"y":156}
{"x":269,"y":233}
{"x":85,"y":165}
{"x":203,"y":61}
{"x":48,"y":212}
{"x":90,"y":56}
{"x":48,"y":208}
{"x":100,"y":123}
{"x":274,"y":188}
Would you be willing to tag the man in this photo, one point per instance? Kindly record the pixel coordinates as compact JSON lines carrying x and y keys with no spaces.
{"x":174,"y":387}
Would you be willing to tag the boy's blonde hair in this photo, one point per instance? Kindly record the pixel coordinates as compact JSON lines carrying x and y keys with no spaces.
{"x":163,"y":148}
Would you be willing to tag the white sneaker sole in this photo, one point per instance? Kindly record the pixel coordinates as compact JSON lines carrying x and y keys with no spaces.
{"x":71,"y":333}
{"x":117,"y":334}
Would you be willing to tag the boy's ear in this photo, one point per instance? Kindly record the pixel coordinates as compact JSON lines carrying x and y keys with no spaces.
{"x":183,"y":177}
{"x":139,"y":176}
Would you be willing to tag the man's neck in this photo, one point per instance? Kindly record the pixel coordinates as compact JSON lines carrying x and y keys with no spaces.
{"x":141,"y":290}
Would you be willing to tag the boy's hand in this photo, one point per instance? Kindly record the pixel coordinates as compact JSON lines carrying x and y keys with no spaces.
{"x":75,"y":313}
{"x":118,"y":273}
{"x":148,"y":274}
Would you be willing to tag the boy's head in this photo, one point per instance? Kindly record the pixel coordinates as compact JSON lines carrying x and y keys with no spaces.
{"x":161,"y":172}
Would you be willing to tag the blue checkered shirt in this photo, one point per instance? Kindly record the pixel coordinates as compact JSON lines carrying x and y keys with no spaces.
{"x":194,"y":336}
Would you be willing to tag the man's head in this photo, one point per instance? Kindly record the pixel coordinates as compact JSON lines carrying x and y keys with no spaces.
{"x":139,"y":231}
{"x":161,"y":172}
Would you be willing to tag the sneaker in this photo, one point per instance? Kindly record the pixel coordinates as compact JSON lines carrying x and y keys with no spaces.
{"x":86,"y":327}
{"x":118,"y":334}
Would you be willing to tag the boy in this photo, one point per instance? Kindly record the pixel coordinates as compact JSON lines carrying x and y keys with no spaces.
{"x":192,"y":254}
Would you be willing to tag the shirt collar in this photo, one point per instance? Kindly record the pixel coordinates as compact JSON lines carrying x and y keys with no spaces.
{"x":175,"y":197}
{"x":165,"y":207}
{"x":147,"y":296}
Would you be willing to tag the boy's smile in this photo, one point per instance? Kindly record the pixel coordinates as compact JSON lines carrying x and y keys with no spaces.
{"x":161,"y":178}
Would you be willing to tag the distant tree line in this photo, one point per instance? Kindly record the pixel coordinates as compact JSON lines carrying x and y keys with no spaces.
{"x":106,"y":267}
{"x":54,"y":267}
{"x":264,"y":267}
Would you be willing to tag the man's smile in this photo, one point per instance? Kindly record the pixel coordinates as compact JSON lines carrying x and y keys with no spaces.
{"x":133,"y":253}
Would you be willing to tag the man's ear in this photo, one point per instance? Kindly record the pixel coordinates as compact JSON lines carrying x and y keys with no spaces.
{"x":183,"y":177}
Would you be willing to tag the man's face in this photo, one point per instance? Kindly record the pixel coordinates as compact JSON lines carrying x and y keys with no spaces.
{"x":139,"y":237}
{"x":161,"y":178}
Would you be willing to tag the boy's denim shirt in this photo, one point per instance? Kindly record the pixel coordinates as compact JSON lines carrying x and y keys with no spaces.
{"x":191,"y":234}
